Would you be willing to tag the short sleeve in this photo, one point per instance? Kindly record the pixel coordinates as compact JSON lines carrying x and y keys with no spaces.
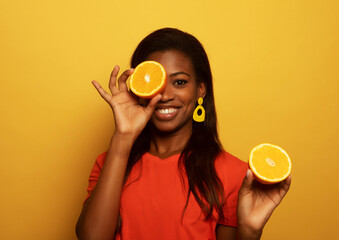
{"x":231,"y":172}
{"x":95,"y":174}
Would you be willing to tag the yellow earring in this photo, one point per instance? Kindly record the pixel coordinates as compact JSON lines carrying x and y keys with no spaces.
{"x":201,"y":117}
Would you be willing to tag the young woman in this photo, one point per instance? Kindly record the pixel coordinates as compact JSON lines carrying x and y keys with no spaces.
{"x":166,"y":176}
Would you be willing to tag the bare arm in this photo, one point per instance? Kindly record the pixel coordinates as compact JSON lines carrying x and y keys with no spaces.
{"x":99,"y":214}
{"x":232,"y":233}
{"x":226,"y":232}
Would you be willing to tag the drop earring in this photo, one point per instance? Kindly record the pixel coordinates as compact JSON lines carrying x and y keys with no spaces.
{"x":196,"y":116}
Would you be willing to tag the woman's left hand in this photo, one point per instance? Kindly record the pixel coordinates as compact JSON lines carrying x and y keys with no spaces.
{"x":256,"y":203}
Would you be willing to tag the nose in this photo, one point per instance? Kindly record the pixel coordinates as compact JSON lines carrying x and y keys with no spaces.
{"x":168,"y":93}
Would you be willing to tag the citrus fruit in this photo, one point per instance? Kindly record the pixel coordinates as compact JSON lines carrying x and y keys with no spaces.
{"x":148,"y":79}
{"x":269,"y":163}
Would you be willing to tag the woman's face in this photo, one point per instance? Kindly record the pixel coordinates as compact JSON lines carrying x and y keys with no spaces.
{"x":175,"y":109}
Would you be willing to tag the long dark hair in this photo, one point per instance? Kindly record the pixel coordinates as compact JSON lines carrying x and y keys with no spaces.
{"x":198,"y":157}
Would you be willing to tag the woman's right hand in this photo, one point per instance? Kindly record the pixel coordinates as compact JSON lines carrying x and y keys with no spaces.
{"x":99,"y":215}
{"x":130,"y":117}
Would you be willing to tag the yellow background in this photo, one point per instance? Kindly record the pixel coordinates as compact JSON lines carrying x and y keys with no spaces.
{"x":275,"y":66}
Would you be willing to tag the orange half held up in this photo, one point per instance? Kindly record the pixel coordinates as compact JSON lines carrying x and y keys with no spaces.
{"x":148,"y":79}
{"x":269,"y":163}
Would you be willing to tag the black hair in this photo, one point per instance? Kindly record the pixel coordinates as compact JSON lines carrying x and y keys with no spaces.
{"x":198,"y":157}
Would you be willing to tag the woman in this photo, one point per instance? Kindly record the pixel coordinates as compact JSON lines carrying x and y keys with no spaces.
{"x":166,"y":176}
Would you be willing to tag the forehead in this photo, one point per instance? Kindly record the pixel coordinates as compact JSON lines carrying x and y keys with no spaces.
{"x":173,"y":61}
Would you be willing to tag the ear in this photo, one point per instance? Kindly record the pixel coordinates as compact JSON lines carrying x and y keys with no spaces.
{"x":202,"y":90}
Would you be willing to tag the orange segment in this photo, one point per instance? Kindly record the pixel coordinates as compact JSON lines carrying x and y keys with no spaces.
{"x":148,"y":79}
{"x":270,"y":163}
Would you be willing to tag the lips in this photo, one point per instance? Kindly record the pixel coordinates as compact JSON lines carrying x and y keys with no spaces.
{"x":166,"y":113}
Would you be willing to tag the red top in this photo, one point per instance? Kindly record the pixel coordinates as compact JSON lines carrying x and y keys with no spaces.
{"x":153,"y":199}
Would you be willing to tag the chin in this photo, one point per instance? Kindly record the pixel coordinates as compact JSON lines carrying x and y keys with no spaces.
{"x":162,"y":128}
{"x":170,"y":127}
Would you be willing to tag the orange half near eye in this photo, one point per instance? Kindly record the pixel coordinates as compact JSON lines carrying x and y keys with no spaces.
{"x":148,"y":79}
{"x":269,"y":163}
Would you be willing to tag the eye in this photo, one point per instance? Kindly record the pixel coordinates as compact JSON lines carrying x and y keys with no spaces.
{"x":179,"y":82}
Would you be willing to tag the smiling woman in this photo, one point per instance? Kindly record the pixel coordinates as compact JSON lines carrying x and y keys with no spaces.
{"x":164,"y":175}
{"x":174,"y":111}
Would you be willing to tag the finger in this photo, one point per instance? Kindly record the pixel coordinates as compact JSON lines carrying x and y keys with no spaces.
{"x":123,"y":78}
{"x":101,"y":91}
{"x":247,"y":182}
{"x":113,"y":80}
{"x":283,"y":187}
{"x":152,"y":104}
{"x":287,"y":183}
{"x":250,"y":176}
{"x":288,"y":180}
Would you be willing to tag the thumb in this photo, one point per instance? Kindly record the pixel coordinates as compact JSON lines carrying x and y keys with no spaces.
{"x":247,"y":182}
{"x":151,"y":105}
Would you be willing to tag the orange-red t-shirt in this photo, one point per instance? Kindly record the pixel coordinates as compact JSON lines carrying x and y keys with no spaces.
{"x":153,"y":199}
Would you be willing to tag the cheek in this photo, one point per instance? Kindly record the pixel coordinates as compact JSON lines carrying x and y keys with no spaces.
{"x":190,"y":105}
{"x":189,"y":99}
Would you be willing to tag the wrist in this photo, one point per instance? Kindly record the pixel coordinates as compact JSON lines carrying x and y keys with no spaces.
{"x":244,"y":232}
{"x":122,"y":142}
{"x":125,"y":137}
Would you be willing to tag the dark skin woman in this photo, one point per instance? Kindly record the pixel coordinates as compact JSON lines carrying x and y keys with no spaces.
{"x":162,"y":128}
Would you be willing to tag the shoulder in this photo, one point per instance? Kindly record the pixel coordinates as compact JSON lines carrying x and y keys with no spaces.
{"x":230,"y":169}
{"x":227,"y":160}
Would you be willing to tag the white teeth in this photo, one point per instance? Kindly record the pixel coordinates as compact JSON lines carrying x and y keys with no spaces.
{"x":167,"y":110}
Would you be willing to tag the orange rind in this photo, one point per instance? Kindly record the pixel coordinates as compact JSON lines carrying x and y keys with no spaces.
{"x":148,"y":79}
{"x":269,"y":163}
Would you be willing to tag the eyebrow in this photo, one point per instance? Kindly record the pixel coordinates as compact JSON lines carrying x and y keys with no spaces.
{"x":178,"y":73}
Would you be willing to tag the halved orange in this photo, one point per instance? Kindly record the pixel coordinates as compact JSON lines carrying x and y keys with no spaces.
{"x":269,"y":163}
{"x":148,"y":79}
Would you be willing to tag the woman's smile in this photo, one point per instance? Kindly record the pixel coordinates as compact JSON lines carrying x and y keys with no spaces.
{"x":175,"y":109}
{"x":166,"y":113}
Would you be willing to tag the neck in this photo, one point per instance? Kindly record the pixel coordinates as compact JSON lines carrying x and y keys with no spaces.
{"x":164,"y":145}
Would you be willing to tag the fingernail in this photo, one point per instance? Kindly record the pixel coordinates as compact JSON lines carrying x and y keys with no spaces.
{"x":248,"y":172}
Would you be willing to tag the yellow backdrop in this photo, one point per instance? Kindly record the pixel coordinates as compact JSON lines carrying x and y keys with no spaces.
{"x":275,"y":65}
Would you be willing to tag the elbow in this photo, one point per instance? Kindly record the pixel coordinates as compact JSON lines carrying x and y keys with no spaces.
{"x":89,"y":233}
{"x":79,"y":230}
{"x":82,"y":232}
